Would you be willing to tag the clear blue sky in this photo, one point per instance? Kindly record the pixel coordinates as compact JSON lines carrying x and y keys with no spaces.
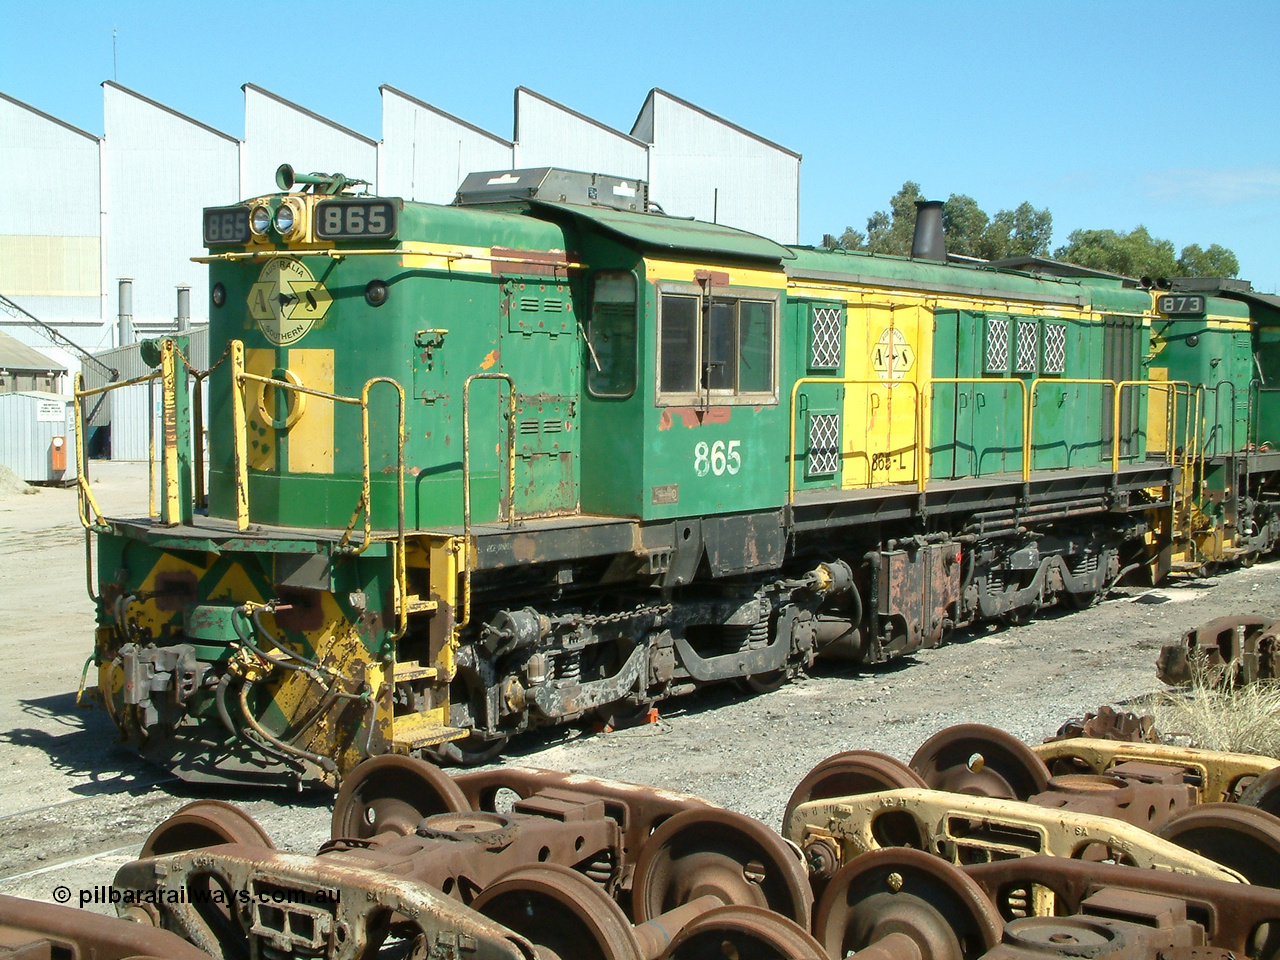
{"x":1110,"y":113}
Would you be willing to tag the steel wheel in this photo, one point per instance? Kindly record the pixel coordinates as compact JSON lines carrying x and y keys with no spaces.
{"x":765,"y":682}
{"x":723,"y":854}
{"x":851,"y":774}
{"x":559,"y":911}
{"x":470,"y":751}
{"x":1242,"y":838}
{"x":393,"y":794}
{"x":906,"y":891}
{"x":204,"y":823}
{"x":981,"y":761}
{"x":744,"y":933}
{"x":1264,"y":792}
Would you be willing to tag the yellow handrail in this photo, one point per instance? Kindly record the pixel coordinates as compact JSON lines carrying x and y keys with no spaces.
{"x":845,"y":381}
{"x":995,"y":381}
{"x":466,"y":478}
{"x":1121,"y":386}
{"x":1031,"y":409}
{"x":240,"y":377}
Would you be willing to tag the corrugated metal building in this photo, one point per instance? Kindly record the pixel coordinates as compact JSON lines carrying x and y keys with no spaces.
{"x":549,"y":134}
{"x":279,"y":131}
{"x":25,"y":368}
{"x":37,"y":432}
{"x":160,"y":168}
{"x":701,"y":165}
{"x":426,"y":153}
{"x":126,"y":408}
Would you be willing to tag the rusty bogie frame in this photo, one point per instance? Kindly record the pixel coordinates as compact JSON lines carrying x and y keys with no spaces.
{"x":1216,"y":775}
{"x":969,"y":829}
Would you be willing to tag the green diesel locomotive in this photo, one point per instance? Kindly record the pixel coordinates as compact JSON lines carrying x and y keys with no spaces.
{"x":543,"y":454}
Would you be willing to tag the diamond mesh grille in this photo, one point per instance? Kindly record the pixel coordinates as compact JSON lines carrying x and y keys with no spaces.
{"x":997,"y":343}
{"x":1055,"y":348}
{"x":824,"y":443}
{"x":826,"y":338}
{"x":1026,"y":346}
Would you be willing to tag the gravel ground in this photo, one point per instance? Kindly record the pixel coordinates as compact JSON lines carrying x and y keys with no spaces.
{"x":75,"y":805}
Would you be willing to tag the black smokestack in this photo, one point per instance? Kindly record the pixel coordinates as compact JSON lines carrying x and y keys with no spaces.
{"x":929,"y":242}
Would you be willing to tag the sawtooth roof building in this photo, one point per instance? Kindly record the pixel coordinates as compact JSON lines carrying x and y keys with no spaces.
{"x":84,"y":216}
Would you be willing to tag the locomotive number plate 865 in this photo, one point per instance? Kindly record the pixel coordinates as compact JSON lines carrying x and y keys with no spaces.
{"x":1180,"y":304}
{"x":225,"y":225}
{"x":368,"y":219}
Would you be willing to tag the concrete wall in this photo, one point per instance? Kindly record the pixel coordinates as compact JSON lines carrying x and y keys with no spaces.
{"x":160,"y":169}
{"x":278,"y":131}
{"x":50,"y":228}
{"x":704,"y":166}
{"x":426,"y":153}
{"x":549,"y":134}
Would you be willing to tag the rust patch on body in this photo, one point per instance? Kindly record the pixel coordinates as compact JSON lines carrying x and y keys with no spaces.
{"x":693,"y":417}
{"x":490,"y":359}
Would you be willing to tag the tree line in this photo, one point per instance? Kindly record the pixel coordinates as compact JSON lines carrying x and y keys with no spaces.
{"x":1026,"y":231}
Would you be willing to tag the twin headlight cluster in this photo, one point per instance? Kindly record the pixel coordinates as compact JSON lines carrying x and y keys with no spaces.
{"x":289,"y":220}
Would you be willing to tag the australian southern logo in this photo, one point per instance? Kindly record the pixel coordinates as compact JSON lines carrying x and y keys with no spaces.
{"x":287,"y":300}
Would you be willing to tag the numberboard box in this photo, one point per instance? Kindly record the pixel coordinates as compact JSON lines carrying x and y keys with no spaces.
{"x":38,"y":436}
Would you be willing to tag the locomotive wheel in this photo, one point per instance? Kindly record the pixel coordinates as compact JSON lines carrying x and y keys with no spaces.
{"x":744,"y":933}
{"x":723,"y":854}
{"x":560,"y":911}
{"x":981,"y":761}
{"x":1264,"y":792}
{"x":204,"y":823}
{"x":765,"y":682}
{"x":851,"y":774}
{"x":393,"y":794}
{"x":470,"y":751}
{"x":906,"y":891}
{"x":1245,"y":839}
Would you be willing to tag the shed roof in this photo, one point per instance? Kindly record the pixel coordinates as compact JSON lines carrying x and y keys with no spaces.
{"x":17,"y":356}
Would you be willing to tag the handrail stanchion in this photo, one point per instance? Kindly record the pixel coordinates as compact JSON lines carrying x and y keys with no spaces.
{"x":466,"y":479}
{"x":1031,"y":405}
{"x":844,"y":382}
{"x":998,"y":382}
{"x":240,"y":431}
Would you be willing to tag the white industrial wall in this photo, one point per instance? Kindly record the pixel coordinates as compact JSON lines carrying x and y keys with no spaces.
{"x":549,"y":134}
{"x":277,"y":131}
{"x":50,"y":248}
{"x":426,"y":153}
{"x":160,"y":169}
{"x":703,"y":166}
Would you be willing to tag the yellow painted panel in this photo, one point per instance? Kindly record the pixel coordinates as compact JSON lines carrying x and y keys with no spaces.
{"x":50,"y":266}
{"x":1157,"y":410}
{"x":680,"y":272}
{"x":885,"y":344}
{"x":311,"y":437}
{"x":421,"y":255}
{"x":262,"y":438}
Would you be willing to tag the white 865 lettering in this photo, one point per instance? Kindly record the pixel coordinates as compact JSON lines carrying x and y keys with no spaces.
{"x":717,"y":458}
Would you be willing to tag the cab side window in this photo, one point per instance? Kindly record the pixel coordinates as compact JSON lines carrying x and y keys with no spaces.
{"x":611,"y":335}
{"x":720,"y":348}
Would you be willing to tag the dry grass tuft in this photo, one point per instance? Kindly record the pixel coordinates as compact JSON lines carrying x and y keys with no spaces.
{"x":1215,"y":714}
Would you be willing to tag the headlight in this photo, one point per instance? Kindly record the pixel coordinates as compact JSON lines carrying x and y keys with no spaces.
{"x":259,"y":221}
{"x":284,"y":220}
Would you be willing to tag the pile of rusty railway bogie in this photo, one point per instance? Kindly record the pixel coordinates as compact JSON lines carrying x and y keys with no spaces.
{"x":1234,"y":650}
{"x":981,"y":846}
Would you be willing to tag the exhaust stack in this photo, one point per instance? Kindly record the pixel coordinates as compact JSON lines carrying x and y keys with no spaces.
{"x":929,"y":242}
